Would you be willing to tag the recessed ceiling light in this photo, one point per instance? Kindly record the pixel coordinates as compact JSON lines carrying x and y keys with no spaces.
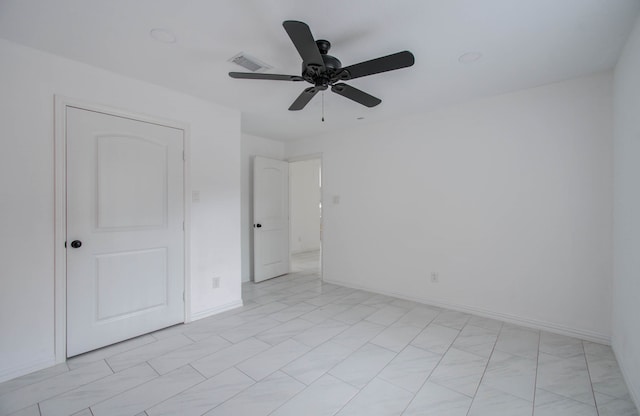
{"x":359,"y":118}
{"x":163,"y":35}
{"x":469,"y":57}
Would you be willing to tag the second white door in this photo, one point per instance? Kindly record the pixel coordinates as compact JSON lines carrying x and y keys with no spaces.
{"x":270,"y":218}
{"x":125,"y":236}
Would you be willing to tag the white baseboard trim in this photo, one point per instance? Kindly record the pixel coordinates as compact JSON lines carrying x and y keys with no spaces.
{"x":513,"y":319}
{"x":21,"y":370}
{"x":634,"y":392}
{"x":218,"y":309}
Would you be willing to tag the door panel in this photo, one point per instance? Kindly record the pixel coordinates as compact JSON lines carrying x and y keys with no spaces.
{"x":125,"y":203}
{"x":271,"y":218}
{"x":127,"y":195}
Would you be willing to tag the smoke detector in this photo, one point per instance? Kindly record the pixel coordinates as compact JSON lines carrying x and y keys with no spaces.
{"x":249,"y":62}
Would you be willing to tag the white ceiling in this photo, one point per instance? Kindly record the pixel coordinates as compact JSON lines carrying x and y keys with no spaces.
{"x":525,"y":43}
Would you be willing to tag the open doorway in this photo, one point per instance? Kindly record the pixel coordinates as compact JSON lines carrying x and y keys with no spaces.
{"x":305,"y":215}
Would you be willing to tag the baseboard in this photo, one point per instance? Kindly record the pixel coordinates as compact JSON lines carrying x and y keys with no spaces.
{"x":634,"y":392}
{"x":218,"y":309}
{"x":21,"y":370}
{"x":513,"y":319}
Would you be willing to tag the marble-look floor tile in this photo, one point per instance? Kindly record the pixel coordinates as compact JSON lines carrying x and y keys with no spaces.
{"x":476,"y":340}
{"x":87,"y":412}
{"x":264,"y":363}
{"x":292,"y":312}
{"x":324,"y":312}
{"x":205,"y":396}
{"x":321,"y":332}
{"x":486,"y":323}
{"x":283,"y":332}
{"x":354,"y":298}
{"x":396,"y":337}
{"x":618,"y":407}
{"x":263,"y":310}
{"x":435,"y":400}
{"x":97,"y":391}
{"x":32,"y":378}
{"x":511,"y":374}
{"x":30,"y":411}
{"x":322,"y":398}
{"x":138,"y":399}
{"x":111,"y":350}
{"x":179,"y":357}
{"x":363,"y":365}
{"x":410,"y":368}
{"x":312,"y":345}
{"x":312,"y":365}
{"x":260,"y":399}
{"x":606,"y":377}
{"x":550,"y":404}
{"x":419,"y":316}
{"x":560,"y":345}
{"x":452,"y":319}
{"x":146,"y":352}
{"x":491,"y":402}
{"x":436,"y":338}
{"x":50,"y":387}
{"x":459,"y":371}
{"x":378,"y":398}
{"x":355,"y":314}
{"x":228,"y":357}
{"x":567,"y":377}
{"x":249,"y":329}
{"x":518,"y":341}
{"x":359,"y":334}
{"x":387,"y":315}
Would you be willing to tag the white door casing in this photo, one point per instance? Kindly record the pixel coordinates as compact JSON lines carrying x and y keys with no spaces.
{"x":270,"y":218}
{"x":125,"y":204}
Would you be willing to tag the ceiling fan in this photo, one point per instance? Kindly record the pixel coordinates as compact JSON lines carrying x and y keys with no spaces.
{"x":324,"y":71}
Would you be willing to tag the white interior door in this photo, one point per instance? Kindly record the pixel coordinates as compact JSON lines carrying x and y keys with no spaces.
{"x":270,"y":218}
{"x":125,"y":206}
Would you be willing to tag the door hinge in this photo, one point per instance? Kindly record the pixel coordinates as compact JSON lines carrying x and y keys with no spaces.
{"x":183,"y":226}
{"x":183,"y":297}
{"x":184,"y":157}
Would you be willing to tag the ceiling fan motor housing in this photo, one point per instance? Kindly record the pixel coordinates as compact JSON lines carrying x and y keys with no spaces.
{"x":322,"y":77}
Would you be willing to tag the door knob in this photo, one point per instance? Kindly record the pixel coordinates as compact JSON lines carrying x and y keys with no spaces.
{"x":258,"y":225}
{"x":76,"y":244}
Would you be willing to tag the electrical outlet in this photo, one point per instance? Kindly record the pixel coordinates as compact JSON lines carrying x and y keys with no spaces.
{"x":215,"y":282}
{"x":434,"y":277}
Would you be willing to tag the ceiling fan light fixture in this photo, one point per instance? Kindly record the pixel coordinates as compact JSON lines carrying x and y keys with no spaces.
{"x":163,"y":35}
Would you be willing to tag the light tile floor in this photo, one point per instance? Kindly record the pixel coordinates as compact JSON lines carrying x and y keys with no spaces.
{"x":302,"y":347}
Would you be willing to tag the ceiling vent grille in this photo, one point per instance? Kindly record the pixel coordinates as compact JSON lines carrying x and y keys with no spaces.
{"x":249,"y":62}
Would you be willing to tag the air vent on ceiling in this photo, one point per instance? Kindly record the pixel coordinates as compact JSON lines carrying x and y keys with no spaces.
{"x":249,"y":62}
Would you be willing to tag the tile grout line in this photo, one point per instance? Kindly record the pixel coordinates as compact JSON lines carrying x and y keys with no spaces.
{"x":535,"y":381}
{"x":593,"y":394}
{"x":485,"y":370}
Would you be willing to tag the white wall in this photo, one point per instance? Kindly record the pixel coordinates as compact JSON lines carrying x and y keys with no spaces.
{"x":304,"y":194}
{"x":252,"y":146}
{"x":508,"y":198}
{"x":28,"y":81}
{"x":626,"y":282}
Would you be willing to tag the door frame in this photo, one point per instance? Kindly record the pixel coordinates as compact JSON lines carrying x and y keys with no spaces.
{"x":302,"y":158}
{"x":60,"y":208}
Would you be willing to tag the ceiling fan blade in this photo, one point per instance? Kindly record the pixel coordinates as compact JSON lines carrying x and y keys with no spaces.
{"x":375,"y":66}
{"x":356,"y":95}
{"x":273,"y":77}
{"x":303,"y":99}
{"x":302,"y":39}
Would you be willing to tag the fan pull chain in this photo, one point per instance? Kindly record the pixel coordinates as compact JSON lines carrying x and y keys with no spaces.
{"x":323,"y":106}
